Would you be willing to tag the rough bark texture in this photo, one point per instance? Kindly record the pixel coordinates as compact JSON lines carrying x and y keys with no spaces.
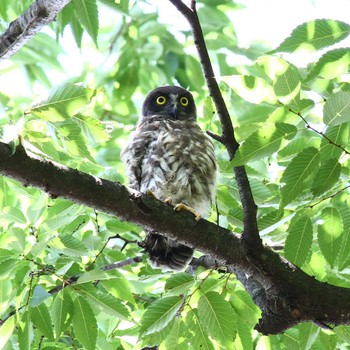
{"x":20,"y":31}
{"x":285,"y":294}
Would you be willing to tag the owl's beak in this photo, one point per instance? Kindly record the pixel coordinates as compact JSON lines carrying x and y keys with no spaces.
{"x":174,"y":111}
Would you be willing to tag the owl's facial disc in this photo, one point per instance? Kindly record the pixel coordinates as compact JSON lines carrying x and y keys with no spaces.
{"x":170,"y":102}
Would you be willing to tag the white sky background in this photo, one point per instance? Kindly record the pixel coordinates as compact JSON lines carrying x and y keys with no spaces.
{"x":267,"y":21}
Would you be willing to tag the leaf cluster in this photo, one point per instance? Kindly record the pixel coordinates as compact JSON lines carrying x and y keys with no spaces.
{"x":291,"y":119}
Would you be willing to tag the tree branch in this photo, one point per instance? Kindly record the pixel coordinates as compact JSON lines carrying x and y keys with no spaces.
{"x":251,"y":231}
{"x":20,"y":31}
{"x":285,"y":294}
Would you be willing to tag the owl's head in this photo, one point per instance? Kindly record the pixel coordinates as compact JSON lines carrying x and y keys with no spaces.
{"x":172,"y":102}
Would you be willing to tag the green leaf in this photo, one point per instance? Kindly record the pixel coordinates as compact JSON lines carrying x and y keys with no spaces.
{"x":339,"y":135}
{"x":14,"y":214}
{"x":105,"y":302}
{"x":327,"y":175}
{"x":263,"y":143}
{"x":159,"y":314}
{"x":38,"y":296}
{"x":337,"y":109}
{"x":344,"y":256}
{"x":331,"y":65}
{"x":200,"y":339}
{"x":330,"y":234}
{"x":217,"y":317}
{"x":245,"y":307}
{"x":175,"y":339}
{"x":287,"y":84}
{"x":315,"y":35}
{"x":40,"y":317}
{"x":179,"y":283}
{"x":298,"y":173}
{"x":93,"y":129}
{"x":63,"y":102}
{"x":87,"y":13}
{"x":299,"y":240}
{"x":84,"y":323}
{"x":6,"y":330}
{"x":69,"y":245}
{"x":25,"y":332}
{"x":252,"y":89}
{"x":61,"y":307}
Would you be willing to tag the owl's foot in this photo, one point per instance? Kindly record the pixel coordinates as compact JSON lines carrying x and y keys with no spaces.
{"x":150,"y":193}
{"x":168,"y":200}
{"x":182,"y":206}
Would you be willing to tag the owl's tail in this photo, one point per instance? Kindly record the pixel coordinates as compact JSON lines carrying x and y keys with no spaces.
{"x":167,"y":254}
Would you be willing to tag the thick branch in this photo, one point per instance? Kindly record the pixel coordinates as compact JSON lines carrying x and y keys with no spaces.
{"x":20,"y":31}
{"x":285,"y":294}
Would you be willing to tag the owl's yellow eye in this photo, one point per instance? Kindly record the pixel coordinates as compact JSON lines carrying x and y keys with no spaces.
{"x":161,"y":100}
{"x":184,"y":101}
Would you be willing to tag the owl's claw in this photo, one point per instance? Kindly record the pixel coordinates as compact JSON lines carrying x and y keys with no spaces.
{"x":150,"y":193}
{"x":168,"y":200}
{"x":182,"y":206}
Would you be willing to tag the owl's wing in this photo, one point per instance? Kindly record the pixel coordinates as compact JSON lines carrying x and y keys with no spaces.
{"x":133,"y":155}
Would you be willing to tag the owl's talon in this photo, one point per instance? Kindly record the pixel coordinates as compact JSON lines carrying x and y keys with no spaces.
{"x":150,"y":193}
{"x":182,"y":206}
{"x":168,"y":200}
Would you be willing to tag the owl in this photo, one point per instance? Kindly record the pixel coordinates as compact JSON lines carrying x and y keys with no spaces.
{"x":169,"y":155}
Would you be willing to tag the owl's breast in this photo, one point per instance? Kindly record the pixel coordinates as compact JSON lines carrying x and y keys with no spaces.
{"x":180,"y":164}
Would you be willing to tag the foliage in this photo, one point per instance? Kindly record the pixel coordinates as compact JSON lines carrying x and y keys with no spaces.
{"x":293,"y":125}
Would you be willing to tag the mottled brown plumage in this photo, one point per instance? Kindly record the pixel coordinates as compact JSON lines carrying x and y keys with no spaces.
{"x":169,"y":155}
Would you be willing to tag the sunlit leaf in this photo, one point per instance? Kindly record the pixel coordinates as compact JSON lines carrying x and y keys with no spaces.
{"x":105,"y":302}
{"x":159,"y":314}
{"x":337,"y":109}
{"x":299,"y":240}
{"x":84,"y":323}
{"x":179,"y":283}
{"x":41,"y":318}
{"x":327,"y":175}
{"x":25,"y":331}
{"x":332,"y":64}
{"x":61,"y":307}
{"x":87,"y":12}
{"x":315,"y":35}
{"x":263,"y":143}
{"x":330,"y":234}
{"x":299,"y":172}
{"x":217,"y":317}
{"x":63,"y":102}
{"x":201,"y":339}
{"x":339,"y":135}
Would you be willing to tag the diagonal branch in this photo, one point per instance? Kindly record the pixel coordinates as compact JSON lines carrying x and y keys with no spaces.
{"x":20,"y":31}
{"x":251,"y":231}
{"x":285,"y":294}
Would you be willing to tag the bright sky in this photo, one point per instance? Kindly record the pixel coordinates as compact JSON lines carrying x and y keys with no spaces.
{"x":269,"y":21}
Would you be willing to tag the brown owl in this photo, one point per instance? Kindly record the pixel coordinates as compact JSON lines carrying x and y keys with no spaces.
{"x":169,"y":155}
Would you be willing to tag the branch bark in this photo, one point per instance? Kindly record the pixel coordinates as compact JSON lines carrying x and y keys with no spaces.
{"x":20,"y":31}
{"x":284,"y":293}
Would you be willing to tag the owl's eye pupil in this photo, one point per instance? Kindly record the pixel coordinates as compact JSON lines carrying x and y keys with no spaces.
{"x":184,"y":101}
{"x":161,"y":100}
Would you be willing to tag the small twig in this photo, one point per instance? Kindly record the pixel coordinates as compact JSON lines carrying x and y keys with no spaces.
{"x":329,"y":197}
{"x":228,"y":138}
{"x":251,"y":231}
{"x":214,"y":136}
{"x":322,"y":134}
{"x":122,"y":263}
